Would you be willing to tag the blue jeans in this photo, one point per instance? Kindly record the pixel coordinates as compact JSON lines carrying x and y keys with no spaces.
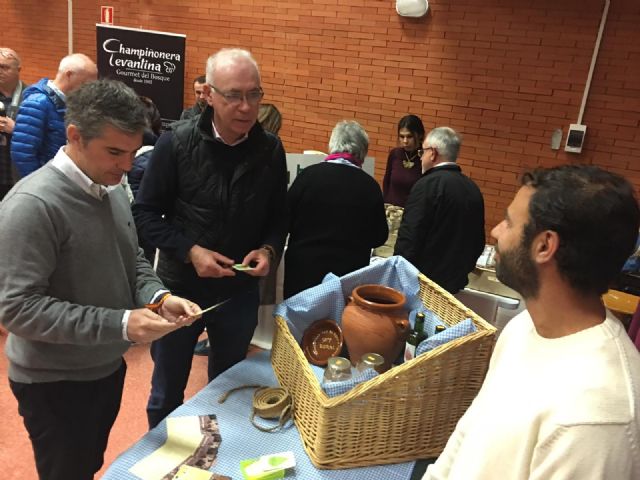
{"x":229,"y":328}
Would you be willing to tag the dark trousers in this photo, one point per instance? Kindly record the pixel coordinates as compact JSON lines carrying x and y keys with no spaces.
{"x":69,"y":423}
{"x":230,"y":329}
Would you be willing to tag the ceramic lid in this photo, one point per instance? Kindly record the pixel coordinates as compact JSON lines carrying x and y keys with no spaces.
{"x":322,"y":340}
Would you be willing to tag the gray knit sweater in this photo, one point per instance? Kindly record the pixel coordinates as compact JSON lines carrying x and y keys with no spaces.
{"x":69,"y":267}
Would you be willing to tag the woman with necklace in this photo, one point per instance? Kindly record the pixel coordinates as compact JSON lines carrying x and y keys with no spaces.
{"x":403,"y":164}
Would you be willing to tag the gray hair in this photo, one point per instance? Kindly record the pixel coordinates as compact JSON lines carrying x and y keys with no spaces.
{"x":349,"y":137}
{"x":229,"y":56}
{"x":76,"y":62}
{"x":446,"y":141}
{"x":11,"y":54}
{"x":96,"y":104}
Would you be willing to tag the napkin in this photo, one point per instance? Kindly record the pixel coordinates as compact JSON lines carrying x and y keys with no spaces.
{"x":458,"y":330}
{"x":333,"y":389}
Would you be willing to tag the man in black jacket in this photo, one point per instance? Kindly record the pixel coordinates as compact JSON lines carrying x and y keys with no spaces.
{"x":213,"y":195}
{"x":201,"y":99}
{"x":442,"y":229}
{"x":11,"y":89}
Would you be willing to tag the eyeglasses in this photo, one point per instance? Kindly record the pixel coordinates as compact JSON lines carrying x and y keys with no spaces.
{"x":252,"y":97}
{"x":422,"y":151}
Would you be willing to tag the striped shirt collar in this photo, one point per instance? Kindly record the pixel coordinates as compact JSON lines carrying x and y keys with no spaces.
{"x":58,"y":92}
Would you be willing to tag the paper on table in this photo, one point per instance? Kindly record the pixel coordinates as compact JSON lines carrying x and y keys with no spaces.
{"x":187,"y":472}
{"x":184,"y":438}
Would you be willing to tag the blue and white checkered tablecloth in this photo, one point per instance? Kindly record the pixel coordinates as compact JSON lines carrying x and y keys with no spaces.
{"x":240,"y":440}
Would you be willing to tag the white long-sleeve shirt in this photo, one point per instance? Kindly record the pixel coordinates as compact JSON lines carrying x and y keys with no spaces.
{"x":564,"y":408}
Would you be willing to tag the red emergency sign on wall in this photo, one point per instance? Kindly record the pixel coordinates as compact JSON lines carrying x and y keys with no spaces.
{"x":106,"y":15}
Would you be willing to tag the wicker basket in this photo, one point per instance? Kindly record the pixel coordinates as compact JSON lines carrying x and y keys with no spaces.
{"x":404,"y":414}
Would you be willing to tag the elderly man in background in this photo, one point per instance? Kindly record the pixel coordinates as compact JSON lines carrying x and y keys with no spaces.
{"x":39,"y":131}
{"x":11,"y":92}
{"x":442,"y":229}
{"x":561,"y":399}
{"x":73,"y":284}
{"x":213,"y":195}
{"x":201,"y":99}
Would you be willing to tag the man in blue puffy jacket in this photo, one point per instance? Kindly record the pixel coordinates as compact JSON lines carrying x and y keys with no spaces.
{"x":39,"y":130}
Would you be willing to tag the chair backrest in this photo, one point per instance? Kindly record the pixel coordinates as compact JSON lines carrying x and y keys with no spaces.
{"x":634,"y":327}
{"x":484,"y":304}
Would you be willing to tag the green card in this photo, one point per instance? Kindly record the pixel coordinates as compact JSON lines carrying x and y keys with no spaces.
{"x":241,"y":268}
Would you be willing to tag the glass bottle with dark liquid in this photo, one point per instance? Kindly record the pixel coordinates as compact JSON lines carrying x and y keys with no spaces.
{"x":439,"y":328}
{"x":416,"y":336}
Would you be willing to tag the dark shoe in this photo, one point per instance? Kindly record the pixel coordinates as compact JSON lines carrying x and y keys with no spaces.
{"x":202,"y":348}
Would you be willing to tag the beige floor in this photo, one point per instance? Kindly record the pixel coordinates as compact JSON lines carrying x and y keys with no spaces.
{"x":16,"y":456}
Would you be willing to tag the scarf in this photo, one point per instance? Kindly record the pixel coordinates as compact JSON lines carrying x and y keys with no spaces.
{"x":347,"y":156}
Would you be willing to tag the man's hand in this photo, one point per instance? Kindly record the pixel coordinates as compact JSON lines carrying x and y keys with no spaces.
{"x":179,"y":310}
{"x":6,"y":125}
{"x":144,"y":326}
{"x":209,"y":263}
{"x":261,"y":259}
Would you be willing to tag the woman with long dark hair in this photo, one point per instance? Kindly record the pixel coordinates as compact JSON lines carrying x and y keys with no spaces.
{"x":403,"y":164}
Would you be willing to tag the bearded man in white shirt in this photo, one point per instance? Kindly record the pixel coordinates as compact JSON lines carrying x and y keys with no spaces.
{"x":561,"y":399}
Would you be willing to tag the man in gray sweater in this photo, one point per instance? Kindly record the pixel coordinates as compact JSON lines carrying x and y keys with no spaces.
{"x":73,"y":281}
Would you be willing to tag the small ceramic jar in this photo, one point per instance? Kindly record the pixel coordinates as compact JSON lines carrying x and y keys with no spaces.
{"x":374,"y":320}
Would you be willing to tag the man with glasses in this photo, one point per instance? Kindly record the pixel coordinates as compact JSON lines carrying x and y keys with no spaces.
{"x":201,"y":99}
{"x":11,"y":90}
{"x":39,"y":132}
{"x":213,"y":196}
{"x":442,"y":229}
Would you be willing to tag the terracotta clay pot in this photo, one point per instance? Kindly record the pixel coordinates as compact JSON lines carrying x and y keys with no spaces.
{"x":374,"y":321}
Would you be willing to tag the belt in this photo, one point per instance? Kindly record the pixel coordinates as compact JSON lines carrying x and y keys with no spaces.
{"x":268,"y":403}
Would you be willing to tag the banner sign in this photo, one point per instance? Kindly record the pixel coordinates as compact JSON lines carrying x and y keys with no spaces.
{"x":152,"y":63}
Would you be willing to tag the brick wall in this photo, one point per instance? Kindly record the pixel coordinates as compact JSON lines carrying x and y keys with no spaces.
{"x":505,"y":74}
